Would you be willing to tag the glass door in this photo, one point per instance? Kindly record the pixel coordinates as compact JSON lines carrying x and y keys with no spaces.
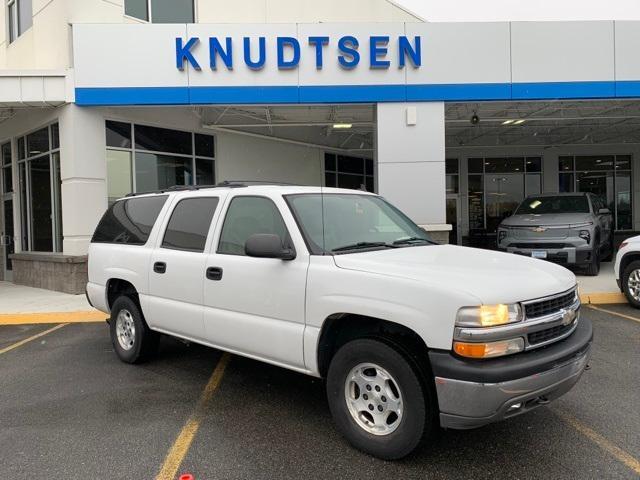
{"x":453,"y":218}
{"x":7,"y":236}
{"x":7,"y":246}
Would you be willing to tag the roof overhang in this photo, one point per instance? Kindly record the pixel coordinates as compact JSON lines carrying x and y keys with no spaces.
{"x":32,"y":88}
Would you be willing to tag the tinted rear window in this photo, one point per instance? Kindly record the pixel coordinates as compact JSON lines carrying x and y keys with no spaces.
{"x":129,"y":221}
{"x":189,"y":224}
{"x":560,"y":204}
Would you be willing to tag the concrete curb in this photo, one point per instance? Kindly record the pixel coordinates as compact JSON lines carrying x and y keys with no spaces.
{"x":602,"y":298}
{"x":91,"y":316}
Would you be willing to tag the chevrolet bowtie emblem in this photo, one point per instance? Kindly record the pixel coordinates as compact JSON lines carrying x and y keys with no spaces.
{"x":568,"y":316}
{"x":539,"y":229}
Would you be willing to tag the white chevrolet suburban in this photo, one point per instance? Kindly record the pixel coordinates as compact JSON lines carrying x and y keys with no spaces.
{"x":341,"y":285}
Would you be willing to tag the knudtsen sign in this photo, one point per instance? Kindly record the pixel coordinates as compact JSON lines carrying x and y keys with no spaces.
{"x":287,"y":50}
{"x":199,"y":64}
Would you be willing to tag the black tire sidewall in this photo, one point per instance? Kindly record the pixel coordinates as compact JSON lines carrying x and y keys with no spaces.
{"x":134,"y":354}
{"x":416,"y":412}
{"x":625,"y":282}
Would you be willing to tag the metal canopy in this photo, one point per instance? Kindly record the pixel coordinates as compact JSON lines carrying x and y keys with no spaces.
{"x":342,"y":127}
{"x":548,"y":123}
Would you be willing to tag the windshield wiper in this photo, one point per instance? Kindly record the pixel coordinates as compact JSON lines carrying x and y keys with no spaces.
{"x":360,"y":245}
{"x":405,"y":241}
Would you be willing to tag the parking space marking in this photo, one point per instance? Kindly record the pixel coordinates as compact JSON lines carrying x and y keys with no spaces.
{"x":620,"y":454}
{"x":33,"y":337}
{"x":181,"y":445}
{"x":611,"y":312}
{"x":52,"y":317}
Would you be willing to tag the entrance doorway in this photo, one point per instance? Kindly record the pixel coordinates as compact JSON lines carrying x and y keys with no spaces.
{"x":7,"y":246}
{"x":453,"y":218}
{"x":6,"y":235}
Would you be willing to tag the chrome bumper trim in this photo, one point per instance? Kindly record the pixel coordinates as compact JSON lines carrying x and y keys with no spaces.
{"x":465,"y":405}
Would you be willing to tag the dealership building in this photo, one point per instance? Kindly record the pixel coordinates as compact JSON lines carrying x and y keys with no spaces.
{"x":455,"y":123}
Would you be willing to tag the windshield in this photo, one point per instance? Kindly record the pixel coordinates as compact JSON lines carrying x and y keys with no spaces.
{"x":559,"y":204}
{"x":351,"y":222}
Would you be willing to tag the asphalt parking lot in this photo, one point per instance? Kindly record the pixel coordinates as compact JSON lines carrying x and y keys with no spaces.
{"x":70,"y":409}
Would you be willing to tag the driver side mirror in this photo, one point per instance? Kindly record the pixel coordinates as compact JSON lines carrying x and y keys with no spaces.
{"x":267,"y":245}
{"x":604,"y":211}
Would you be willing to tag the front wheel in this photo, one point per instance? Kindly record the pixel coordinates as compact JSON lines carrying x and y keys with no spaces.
{"x":377,"y":400}
{"x":631,"y":283}
{"x":593,"y":268}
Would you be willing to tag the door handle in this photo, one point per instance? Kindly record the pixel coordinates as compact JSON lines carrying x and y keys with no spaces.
{"x":159,"y":267}
{"x":214,"y":273}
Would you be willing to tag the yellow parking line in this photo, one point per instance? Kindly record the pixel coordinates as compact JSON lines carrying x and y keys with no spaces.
{"x":620,"y":454}
{"x":181,"y":445}
{"x":27,"y":340}
{"x":611,"y":312}
{"x":52,"y":317}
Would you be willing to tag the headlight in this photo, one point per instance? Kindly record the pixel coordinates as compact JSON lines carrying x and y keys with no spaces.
{"x":501,"y":235}
{"x":489,"y":315}
{"x":584,"y":234}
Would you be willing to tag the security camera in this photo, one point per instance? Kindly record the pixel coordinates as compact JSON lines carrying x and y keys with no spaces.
{"x":475,"y":119}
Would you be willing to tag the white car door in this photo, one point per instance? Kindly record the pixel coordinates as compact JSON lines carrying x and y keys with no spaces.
{"x":177,"y":267}
{"x":255,"y":306}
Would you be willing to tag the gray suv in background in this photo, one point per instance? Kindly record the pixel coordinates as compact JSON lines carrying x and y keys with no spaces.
{"x":573,"y":229}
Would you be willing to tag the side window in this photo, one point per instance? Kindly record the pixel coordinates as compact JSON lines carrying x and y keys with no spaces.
{"x":189,"y":224}
{"x":129,"y":221}
{"x":247,"y":216}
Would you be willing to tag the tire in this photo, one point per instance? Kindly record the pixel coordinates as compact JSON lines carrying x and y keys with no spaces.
{"x":631,"y":284}
{"x":610,"y":249}
{"x":593,"y":267}
{"x":401,"y":433}
{"x":132,"y":339}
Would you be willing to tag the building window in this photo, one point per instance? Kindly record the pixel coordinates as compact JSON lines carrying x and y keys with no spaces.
{"x":40,"y":186}
{"x":141,"y":158}
{"x":343,"y":171}
{"x":161,"y":11}
{"x":497,"y":186}
{"x":607,"y":176}
{"x":19,"y":17}
{"x":452,"y":171}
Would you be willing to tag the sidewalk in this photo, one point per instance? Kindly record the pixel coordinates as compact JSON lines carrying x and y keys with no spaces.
{"x":601,"y":289}
{"x":20,"y":304}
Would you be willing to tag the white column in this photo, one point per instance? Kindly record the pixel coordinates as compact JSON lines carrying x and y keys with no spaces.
{"x":550,"y":171}
{"x":410,"y":158}
{"x":83,"y":173}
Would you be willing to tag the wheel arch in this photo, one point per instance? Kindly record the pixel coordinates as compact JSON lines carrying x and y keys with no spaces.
{"x":625,"y":261}
{"x":119,"y":286}
{"x":340,"y":328}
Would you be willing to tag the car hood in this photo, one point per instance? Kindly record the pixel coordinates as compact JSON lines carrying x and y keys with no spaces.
{"x":492,"y":277}
{"x":533,"y":220}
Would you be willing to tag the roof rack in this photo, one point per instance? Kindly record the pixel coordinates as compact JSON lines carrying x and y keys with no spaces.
{"x":223,"y":184}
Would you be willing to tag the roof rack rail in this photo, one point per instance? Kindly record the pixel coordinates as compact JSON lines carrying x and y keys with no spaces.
{"x":223,"y":184}
{"x":245,"y":183}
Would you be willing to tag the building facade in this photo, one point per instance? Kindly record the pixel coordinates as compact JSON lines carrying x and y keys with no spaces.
{"x":454,"y":123}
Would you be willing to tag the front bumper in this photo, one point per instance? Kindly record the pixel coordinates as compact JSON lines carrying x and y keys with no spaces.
{"x":475,"y":393}
{"x":567,"y":255}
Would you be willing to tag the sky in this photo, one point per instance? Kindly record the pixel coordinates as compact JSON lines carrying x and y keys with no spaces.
{"x":514,"y":10}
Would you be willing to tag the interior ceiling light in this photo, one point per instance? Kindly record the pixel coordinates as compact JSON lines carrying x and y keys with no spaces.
{"x":508,"y":122}
{"x":519,"y":122}
{"x":342,"y":125}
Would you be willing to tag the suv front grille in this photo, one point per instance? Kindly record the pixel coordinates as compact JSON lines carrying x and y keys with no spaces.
{"x":548,"y":306}
{"x":549,"y":334}
{"x":541,"y":246}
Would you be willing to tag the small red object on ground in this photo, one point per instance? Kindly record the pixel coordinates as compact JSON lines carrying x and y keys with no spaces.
{"x":187,"y":476}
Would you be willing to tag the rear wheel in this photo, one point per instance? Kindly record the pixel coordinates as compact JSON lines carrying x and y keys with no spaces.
{"x":631,"y":283}
{"x":377,"y":400}
{"x":132,"y":339}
